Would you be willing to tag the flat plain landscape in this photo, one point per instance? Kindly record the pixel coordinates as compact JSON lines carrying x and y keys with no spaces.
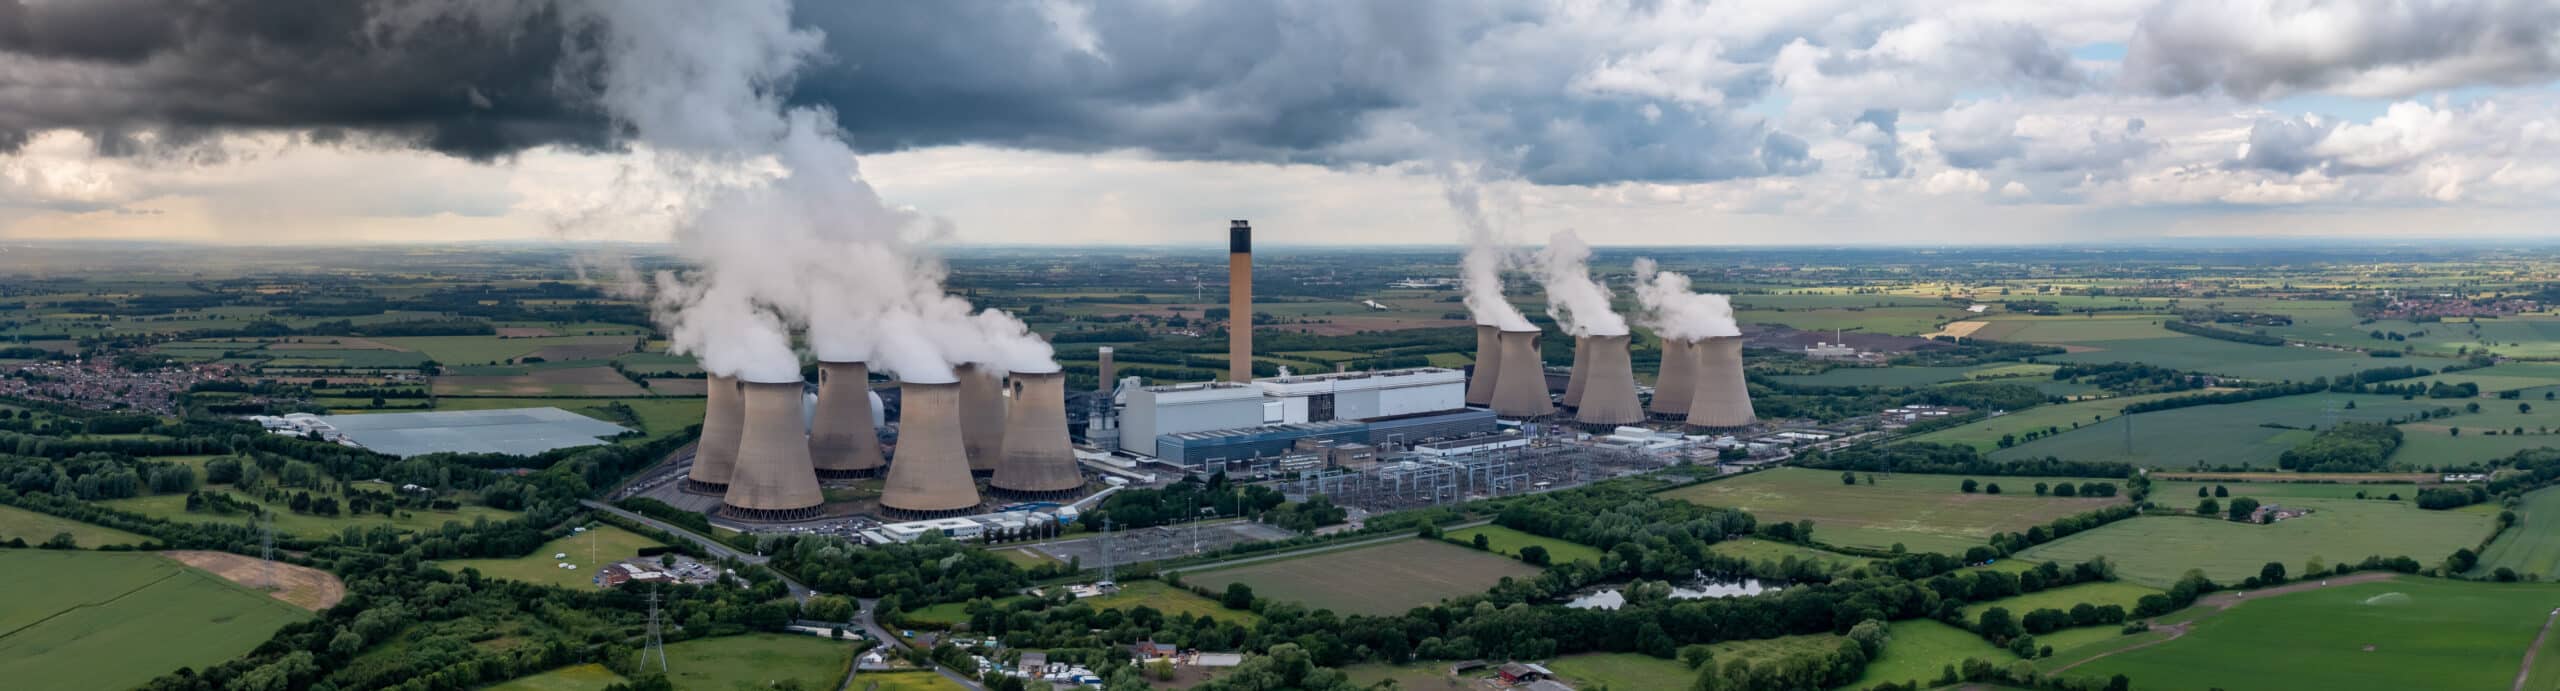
{"x":116,"y":620}
{"x":1380,"y":579}
{"x":1920,"y":512}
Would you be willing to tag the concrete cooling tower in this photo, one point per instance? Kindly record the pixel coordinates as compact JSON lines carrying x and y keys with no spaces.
{"x":842,"y":442}
{"x":1580,"y":373}
{"x":1488,"y":365}
{"x":1677,"y":381}
{"x":982,"y":418}
{"x":929,"y":478}
{"x":1039,"y":462}
{"x":774,"y":480}
{"x":1520,"y":391}
{"x":1722,"y":400}
{"x":1609,"y":386}
{"x":715,"y":455}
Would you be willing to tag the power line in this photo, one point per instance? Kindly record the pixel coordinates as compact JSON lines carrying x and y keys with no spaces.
{"x":657,"y":644}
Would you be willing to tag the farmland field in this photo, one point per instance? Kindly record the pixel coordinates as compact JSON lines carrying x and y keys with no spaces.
{"x":2532,"y":546}
{"x":1922,"y":512}
{"x":1917,"y":648}
{"x":1170,"y":601}
{"x":36,"y":528}
{"x":918,"y":680}
{"x":473,"y":350}
{"x":174,"y":507}
{"x":1889,"y":377}
{"x":1509,"y":542}
{"x":1904,"y":321}
{"x":606,"y":543}
{"x":1381,"y":579}
{"x":587,"y":677}
{"x":1984,"y":434}
{"x":1633,"y":671}
{"x":118,"y":620}
{"x":1757,"y":550}
{"x":757,"y":661}
{"x":2401,"y":633}
{"x":2182,"y":494}
{"x":2155,"y":550}
{"x":2215,"y":435}
{"x":2097,"y":594}
{"x":574,"y":381}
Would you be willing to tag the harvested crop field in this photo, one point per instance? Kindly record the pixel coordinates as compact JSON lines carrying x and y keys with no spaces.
{"x":302,"y":586}
{"x":1925,"y":513}
{"x":1380,"y":579}
{"x":574,"y":381}
{"x":669,"y":386}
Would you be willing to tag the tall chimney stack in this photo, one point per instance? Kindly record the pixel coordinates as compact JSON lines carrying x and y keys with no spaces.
{"x":929,"y":478}
{"x":982,"y":409}
{"x":715,"y":455}
{"x":775,"y":480}
{"x":1723,"y":399}
{"x":842,"y":442}
{"x":1521,"y":390}
{"x":1239,"y":301}
{"x":1105,"y":371}
{"x":1039,"y":462}
{"x":1609,"y":385}
{"x":1579,"y":375}
{"x":1488,"y":365}
{"x":1677,"y":381}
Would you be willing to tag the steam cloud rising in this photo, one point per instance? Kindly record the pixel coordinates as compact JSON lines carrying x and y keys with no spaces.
{"x":1673,"y":311}
{"x":1579,"y":304}
{"x":797,"y":238}
{"x":1481,"y":269}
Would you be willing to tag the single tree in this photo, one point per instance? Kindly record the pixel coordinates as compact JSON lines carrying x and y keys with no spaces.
{"x":1970,"y":486}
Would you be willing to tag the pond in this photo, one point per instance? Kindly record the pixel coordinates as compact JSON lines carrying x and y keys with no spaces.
{"x":1611,"y":597}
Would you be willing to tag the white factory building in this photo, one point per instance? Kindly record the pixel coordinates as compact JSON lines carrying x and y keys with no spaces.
{"x":1402,"y":402}
{"x":1364,"y":395}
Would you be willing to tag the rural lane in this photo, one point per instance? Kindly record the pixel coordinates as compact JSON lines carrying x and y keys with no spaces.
{"x":2527,"y":668}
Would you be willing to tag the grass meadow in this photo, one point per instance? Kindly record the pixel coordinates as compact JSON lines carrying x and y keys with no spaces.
{"x":2102,"y":593}
{"x":587,"y":677}
{"x":590,"y":550}
{"x":2402,"y":633}
{"x":37,"y":528}
{"x":1756,"y":549}
{"x":1381,"y":579}
{"x":1633,"y":671}
{"x":2215,"y":435}
{"x":1509,"y":542}
{"x":1917,"y":648}
{"x":2532,"y":546}
{"x":1921,"y":512}
{"x":117,"y":620}
{"x":2156,"y":550}
{"x":174,"y":507}
{"x":1170,"y":601}
{"x":754,"y":661}
{"x":1984,"y":434}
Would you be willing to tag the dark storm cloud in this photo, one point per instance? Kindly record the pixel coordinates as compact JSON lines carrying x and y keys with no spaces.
{"x":2258,"y":48}
{"x":1301,"y":81}
{"x":115,"y":67}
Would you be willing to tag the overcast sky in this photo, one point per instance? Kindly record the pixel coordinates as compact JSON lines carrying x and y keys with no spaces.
{"x":1335,"y":121}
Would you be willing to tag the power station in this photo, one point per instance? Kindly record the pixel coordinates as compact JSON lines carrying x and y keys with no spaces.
{"x":774,"y":479}
{"x":1039,"y":462}
{"x":1520,"y":389}
{"x":842,"y":441}
{"x":1488,"y":367}
{"x":982,"y":409}
{"x":1609,"y":385}
{"x":929,"y":476}
{"x":716,"y":453}
{"x":1239,"y":301}
{"x":1675,"y":382}
{"x":1721,"y":400}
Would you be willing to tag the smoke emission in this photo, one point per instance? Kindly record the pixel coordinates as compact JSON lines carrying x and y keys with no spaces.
{"x":1577,"y":303}
{"x":1480,"y":271}
{"x":770,"y":201}
{"x":1673,"y":311}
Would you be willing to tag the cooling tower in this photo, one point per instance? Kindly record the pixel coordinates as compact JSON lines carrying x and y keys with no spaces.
{"x":1677,"y":381}
{"x":1520,"y":391}
{"x":1104,"y":370}
{"x":842,"y":442}
{"x":774,"y":480}
{"x":981,"y":417}
{"x":930,"y":476}
{"x":1579,"y":374}
{"x":1488,"y":365}
{"x":1722,"y":400}
{"x":1239,"y":301}
{"x":1039,"y":462}
{"x":715,"y":455}
{"x":1609,"y":385}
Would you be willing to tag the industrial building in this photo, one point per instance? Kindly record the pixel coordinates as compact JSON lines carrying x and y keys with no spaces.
{"x":1155,"y":411}
{"x":1365,"y":395}
{"x":1189,"y":424}
{"x":1191,"y":449}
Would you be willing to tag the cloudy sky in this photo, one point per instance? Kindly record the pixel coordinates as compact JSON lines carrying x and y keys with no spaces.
{"x":1331,"y":121}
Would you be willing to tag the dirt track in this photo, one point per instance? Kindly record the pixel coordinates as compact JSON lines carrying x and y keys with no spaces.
{"x":301,"y":586}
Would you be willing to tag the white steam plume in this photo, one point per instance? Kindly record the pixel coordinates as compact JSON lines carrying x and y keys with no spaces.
{"x":1673,"y":311}
{"x":1481,"y":269}
{"x":1577,"y":303}
{"x":766,"y":200}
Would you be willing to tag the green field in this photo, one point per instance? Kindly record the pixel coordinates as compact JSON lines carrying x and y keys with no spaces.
{"x":591,"y":550}
{"x":1903,"y":321}
{"x":757,"y":661}
{"x":1632,"y":671}
{"x":473,"y":350}
{"x":2181,"y":494}
{"x":2101,"y":593}
{"x":174,"y":507}
{"x":2532,"y":546}
{"x":1380,"y":579}
{"x":2268,"y":363}
{"x":587,"y":677}
{"x":2155,"y":550}
{"x":2216,"y":435}
{"x":37,"y":528}
{"x":1922,"y":512}
{"x":1984,"y":434}
{"x":2073,"y":330}
{"x":918,"y":680}
{"x":1890,"y":377}
{"x":116,"y":620}
{"x":1916,"y":649}
{"x":1509,"y":542}
{"x":1757,"y":550}
{"x":1170,"y":601}
{"x":2404,"y":633}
